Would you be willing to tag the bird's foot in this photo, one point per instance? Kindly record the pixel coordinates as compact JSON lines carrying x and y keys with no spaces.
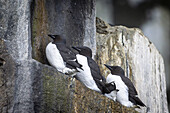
{"x":67,"y":71}
{"x":70,"y":72}
{"x":114,"y":99}
{"x":136,"y":106}
{"x":72,"y":83}
{"x":73,"y":74}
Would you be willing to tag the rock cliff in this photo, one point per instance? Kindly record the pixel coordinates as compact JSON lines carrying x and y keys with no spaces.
{"x":28,"y":84}
{"x":143,"y":64}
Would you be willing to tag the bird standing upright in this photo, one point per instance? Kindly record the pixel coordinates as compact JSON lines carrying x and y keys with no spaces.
{"x":91,"y":76}
{"x":127,"y":94}
{"x":61,"y":57}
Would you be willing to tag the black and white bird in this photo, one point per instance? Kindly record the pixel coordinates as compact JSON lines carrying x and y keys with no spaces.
{"x":61,"y":57}
{"x":127,"y":94}
{"x":91,"y":76}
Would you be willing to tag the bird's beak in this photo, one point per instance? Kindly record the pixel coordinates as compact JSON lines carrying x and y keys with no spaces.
{"x":51,"y":36}
{"x":117,"y":90}
{"x":77,"y":48}
{"x":109,"y":67}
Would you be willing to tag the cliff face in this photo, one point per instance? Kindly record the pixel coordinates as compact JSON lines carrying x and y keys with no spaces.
{"x":143,"y":64}
{"x":28,"y":84}
{"x":7,"y":78}
{"x":73,"y":20}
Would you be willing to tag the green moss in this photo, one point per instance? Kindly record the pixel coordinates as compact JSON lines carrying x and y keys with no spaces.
{"x":56,"y":93}
{"x":39,"y":31}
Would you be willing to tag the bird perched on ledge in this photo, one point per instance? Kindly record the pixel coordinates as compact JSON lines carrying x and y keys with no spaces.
{"x":91,"y":76}
{"x":127,"y":94}
{"x":61,"y":57}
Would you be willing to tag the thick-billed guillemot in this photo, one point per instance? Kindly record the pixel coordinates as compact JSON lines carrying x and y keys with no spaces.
{"x":127,"y":94}
{"x":61,"y":57}
{"x":91,"y":76}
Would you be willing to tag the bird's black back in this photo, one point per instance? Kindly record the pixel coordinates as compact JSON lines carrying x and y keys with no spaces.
{"x":132,"y":91}
{"x":95,"y":71}
{"x":129,"y":84}
{"x":68,"y":56}
{"x":105,"y":87}
{"x":66,"y":52}
{"x":98,"y":78}
{"x":135,"y":100}
{"x":109,"y":87}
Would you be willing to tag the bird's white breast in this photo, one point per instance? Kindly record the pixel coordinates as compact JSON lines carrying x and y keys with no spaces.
{"x":122,"y":94}
{"x":54,"y":57}
{"x":112,"y":95}
{"x":85,"y":75}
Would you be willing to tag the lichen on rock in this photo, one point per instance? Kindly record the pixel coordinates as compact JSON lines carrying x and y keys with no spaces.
{"x":7,"y":78}
{"x":143,"y":64}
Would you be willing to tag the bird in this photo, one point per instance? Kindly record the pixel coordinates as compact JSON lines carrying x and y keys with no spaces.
{"x":91,"y":76}
{"x":127,"y":94}
{"x":61,"y":57}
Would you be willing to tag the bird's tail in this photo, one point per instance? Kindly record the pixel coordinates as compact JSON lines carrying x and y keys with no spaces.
{"x":147,"y":109}
{"x":139,"y":102}
{"x":74,"y":64}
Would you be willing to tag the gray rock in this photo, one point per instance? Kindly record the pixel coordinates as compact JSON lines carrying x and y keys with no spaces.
{"x":52,"y":91}
{"x":73,"y":20}
{"x":143,"y":64}
{"x":7,"y":79}
{"x":28,"y":86}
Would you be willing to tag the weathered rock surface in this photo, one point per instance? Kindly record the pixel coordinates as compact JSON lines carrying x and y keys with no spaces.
{"x":73,"y":20}
{"x":28,"y":86}
{"x":143,"y":64}
{"x":7,"y":78}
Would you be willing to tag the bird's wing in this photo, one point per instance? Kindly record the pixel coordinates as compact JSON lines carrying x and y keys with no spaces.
{"x":73,"y":64}
{"x":68,"y":56}
{"x":101,"y":86}
{"x":95,"y":69}
{"x":110,"y":87}
{"x":132,"y":92}
{"x":65,"y":52}
{"x":136,"y":100}
{"x":129,"y":84}
{"x":105,"y":87}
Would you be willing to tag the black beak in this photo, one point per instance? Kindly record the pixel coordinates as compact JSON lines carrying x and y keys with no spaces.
{"x":109,"y":67}
{"x":77,"y":48}
{"x":51,"y":36}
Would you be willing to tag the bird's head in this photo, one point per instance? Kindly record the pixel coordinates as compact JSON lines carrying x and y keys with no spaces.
{"x":56,"y":38}
{"x":115,"y":70}
{"x":83,"y":50}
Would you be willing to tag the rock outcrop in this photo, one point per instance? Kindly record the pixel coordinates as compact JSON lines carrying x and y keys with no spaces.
{"x":143,"y":64}
{"x":28,"y":84}
{"x":73,"y":20}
